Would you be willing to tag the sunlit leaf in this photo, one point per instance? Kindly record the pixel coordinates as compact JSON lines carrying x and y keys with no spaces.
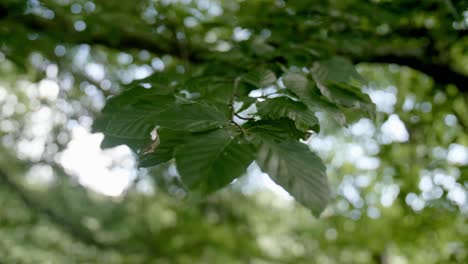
{"x":308,"y":94}
{"x":336,"y":69}
{"x":279,"y":107}
{"x":260,"y":78}
{"x":296,"y":168}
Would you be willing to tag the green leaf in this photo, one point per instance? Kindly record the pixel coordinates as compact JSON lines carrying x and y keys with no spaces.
{"x":333,"y":78}
{"x":297,"y":83}
{"x":134,"y":144}
{"x":211,"y":87}
{"x":246,"y":103}
{"x":351,"y":97}
{"x":260,"y":78}
{"x":308,"y":94}
{"x":162,"y":149}
{"x":279,"y":107}
{"x":133,"y":96}
{"x":336,"y":69}
{"x":306,"y":91}
{"x":298,"y":170}
{"x":129,"y":118}
{"x":161,"y":83}
{"x":212,"y":160}
{"x":194,"y":117}
{"x":216,"y":91}
{"x":279,"y":130}
{"x":348,"y":97}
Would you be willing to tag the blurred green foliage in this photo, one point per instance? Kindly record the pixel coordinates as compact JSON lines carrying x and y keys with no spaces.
{"x":398,"y":182}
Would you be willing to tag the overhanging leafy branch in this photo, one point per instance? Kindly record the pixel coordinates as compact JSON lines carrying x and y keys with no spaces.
{"x":62,"y":28}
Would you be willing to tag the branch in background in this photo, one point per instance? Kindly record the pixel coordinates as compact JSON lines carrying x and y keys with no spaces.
{"x":63,"y":29}
{"x":441,"y":73}
{"x":3,"y":12}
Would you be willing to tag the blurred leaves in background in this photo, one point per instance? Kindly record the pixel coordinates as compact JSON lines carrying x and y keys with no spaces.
{"x":398,"y":177}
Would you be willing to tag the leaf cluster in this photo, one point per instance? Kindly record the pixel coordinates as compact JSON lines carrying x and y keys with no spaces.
{"x":216,"y":125}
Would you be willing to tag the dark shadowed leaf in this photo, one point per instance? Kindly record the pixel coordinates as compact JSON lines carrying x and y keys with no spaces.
{"x":130,"y":118}
{"x":194,"y":117}
{"x":279,"y":130}
{"x":212,"y":160}
{"x":163,"y":146}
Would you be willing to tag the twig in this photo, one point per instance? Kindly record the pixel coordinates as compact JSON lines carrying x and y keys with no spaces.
{"x":238,"y":127}
{"x":243,"y":118}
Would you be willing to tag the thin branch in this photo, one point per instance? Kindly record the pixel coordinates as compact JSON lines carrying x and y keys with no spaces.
{"x":61,"y":28}
{"x":243,"y":118}
{"x":241,"y":129}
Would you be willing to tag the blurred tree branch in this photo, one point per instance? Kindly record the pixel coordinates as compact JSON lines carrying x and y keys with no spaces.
{"x":440,"y":73}
{"x":62,"y":28}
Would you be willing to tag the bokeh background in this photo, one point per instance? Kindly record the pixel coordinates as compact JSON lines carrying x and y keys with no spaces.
{"x":399,"y":182}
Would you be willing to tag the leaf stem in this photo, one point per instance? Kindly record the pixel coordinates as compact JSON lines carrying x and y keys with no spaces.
{"x":241,"y":129}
